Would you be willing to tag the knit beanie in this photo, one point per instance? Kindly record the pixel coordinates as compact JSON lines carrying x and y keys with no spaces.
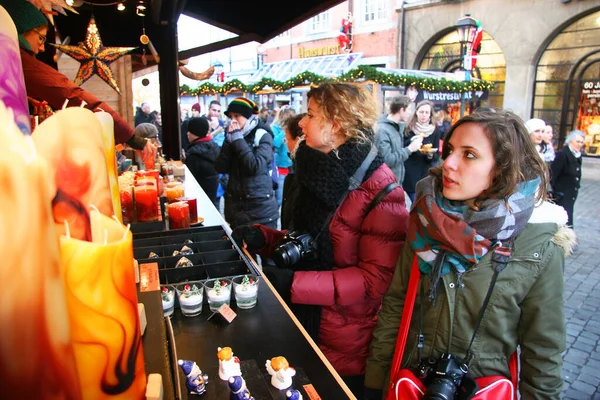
{"x":242,"y":106}
{"x":146,"y":130}
{"x":535,"y":124}
{"x":198,"y":126}
{"x":196,"y":107}
{"x":25,"y":16}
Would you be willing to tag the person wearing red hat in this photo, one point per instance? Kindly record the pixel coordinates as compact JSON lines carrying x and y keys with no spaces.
{"x":246,"y":156}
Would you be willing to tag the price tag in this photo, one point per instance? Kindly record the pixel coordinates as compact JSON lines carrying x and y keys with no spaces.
{"x":311,"y":392}
{"x":226,"y":312}
{"x":149,"y":277}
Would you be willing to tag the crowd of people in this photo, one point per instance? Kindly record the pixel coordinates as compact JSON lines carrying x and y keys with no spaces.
{"x":360,"y":199}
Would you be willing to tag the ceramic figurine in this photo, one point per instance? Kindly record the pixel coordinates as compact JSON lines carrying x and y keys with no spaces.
{"x":195,"y":380}
{"x":239,"y":391}
{"x":281,"y":372}
{"x":293,"y":395}
{"x":229,"y":365}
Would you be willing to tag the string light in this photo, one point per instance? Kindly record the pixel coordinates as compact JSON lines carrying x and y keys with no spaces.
{"x":140,"y":9}
{"x":121,"y":7}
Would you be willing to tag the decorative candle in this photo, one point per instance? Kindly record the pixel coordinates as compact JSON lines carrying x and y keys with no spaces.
{"x":193,"y":208}
{"x":179,"y":215}
{"x":126,"y":196}
{"x":146,"y":203}
{"x":35,"y":343}
{"x":108,"y":134}
{"x":12,"y":83}
{"x":71,"y":141}
{"x":102,"y":302}
{"x":174,"y":192}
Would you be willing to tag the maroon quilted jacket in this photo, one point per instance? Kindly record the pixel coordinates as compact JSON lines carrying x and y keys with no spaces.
{"x":365,"y":252}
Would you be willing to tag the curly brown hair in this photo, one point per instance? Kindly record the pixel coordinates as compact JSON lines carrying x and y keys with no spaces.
{"x":517,"y":159}
{"x":350,"y":105}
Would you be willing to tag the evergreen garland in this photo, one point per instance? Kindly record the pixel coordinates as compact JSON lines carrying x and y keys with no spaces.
{"x":361,"y":73}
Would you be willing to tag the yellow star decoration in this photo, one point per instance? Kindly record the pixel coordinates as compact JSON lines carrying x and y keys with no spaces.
{"x":94,"y":58}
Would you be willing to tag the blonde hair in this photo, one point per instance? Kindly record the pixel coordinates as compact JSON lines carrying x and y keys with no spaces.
{"x":349,"y":105}
{"x":278,"y":363}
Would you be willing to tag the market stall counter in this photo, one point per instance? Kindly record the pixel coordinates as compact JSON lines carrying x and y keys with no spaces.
{"x":199,"y":269}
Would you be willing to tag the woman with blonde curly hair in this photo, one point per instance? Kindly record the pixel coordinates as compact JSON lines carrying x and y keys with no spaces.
{"x":336,"y":290}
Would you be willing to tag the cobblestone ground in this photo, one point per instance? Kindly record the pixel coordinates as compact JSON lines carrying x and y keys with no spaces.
{"x":581,"y":368}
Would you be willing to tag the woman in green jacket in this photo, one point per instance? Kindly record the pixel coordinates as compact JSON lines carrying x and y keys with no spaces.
{"x":485,"y":193}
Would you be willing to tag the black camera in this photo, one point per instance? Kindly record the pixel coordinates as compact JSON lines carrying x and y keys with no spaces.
{"x":444,"y":377}
{"x":296,"y":246}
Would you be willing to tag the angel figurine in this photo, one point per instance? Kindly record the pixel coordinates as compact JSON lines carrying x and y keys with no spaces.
{"x":229,"y":365}
{"x":195,"y":380}
{"x":281,"y":372}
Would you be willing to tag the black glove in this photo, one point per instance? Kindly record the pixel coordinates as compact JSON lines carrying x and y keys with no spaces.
{"x":250,"y":234}
{"x":281,"y":279}
{"x":373,"y":394}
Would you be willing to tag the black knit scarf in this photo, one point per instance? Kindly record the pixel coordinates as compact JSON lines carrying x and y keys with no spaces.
{"x":323,"y":179}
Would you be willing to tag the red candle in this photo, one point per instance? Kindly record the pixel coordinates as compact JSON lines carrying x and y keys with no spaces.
{"x":151,"y":173}
{"x":191,"y":201}
{"x":146,"y":203}
{"x":126,"y":204}
{"x":179,"y":215}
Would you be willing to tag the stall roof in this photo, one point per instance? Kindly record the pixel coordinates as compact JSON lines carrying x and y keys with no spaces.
{"x":251,"y":20}
{"x":328,"y":66}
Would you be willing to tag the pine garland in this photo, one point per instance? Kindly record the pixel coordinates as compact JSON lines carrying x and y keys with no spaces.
{"x":359,"y":74}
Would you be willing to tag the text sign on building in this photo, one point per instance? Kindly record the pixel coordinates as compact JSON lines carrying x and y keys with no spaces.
{"x":318,"y":51}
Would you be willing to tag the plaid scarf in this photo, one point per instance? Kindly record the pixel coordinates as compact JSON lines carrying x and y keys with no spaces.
{"x":449,"y":236}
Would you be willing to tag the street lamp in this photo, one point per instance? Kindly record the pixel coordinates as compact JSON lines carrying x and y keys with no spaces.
{"x":466,"y":27}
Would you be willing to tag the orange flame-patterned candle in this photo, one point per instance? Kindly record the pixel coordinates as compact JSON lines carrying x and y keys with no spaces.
{"x":102,"y":302}
{"x":36,"y":355}
{"x":71,"y":140}
{"x":108,"y":134}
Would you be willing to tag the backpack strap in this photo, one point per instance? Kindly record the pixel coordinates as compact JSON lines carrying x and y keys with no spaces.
{"x":258,"y":135}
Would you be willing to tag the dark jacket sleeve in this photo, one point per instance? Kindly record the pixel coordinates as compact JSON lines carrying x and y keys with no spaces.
{"x":254,"y":161}
{"x":383,"y":142}
{"x":45,"y":83}
{"x":557,"y":166}
{"x":223,"y":161}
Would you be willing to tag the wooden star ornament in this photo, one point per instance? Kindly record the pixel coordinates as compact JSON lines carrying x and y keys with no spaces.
{"x":94,"y":57}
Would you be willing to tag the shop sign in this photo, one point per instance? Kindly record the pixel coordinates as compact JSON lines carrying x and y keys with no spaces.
{"x":588,"y":115}
{"x":318,"y":51}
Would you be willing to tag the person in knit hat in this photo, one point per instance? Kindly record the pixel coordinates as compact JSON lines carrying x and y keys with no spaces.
{"x":196,"y":110}
{"x":201,"y":156}
{"x":44,"y":83}
{"x":246,"y":156}
{"x":31,"y":24}
{"x":536,"y":127}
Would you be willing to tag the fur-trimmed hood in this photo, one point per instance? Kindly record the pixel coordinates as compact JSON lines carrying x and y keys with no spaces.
{"x":547,"y":212}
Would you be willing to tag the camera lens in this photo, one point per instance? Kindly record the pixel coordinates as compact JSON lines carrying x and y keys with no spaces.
{"x":441,"y":389}
{"x":287,"y":254}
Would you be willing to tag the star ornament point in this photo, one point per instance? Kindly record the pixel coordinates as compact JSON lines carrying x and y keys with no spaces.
{"x":94,"y":57}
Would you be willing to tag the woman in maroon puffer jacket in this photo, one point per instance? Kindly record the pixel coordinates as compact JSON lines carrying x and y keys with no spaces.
{"x":336,"y":294}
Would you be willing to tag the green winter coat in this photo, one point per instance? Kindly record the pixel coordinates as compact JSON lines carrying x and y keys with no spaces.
{"x":526,"y":309}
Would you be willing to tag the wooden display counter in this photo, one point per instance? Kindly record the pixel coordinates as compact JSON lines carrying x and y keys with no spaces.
{"x":255,"y":335}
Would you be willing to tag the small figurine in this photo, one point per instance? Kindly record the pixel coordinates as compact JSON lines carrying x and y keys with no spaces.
{"x":186,"y":251}
{"x":184,"y":262}
{"x":239,"y":391}
{"x":195,"y":380}
{"x":229,"y":365}
{"x":153,"y":255}
{"x":281,"y":372}
{"x":293,"y":395}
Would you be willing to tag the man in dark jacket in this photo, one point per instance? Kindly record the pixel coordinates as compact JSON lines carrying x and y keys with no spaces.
{"x":201,"y":156}
{"x":144,"y":115}
{"x":389,"y":136}
{"x":246,"y":156}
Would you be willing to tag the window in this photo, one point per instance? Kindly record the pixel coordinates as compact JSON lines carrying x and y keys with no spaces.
{"x":376,"y":10}
{"x":319,"y":23}
{"x":444,"y":55}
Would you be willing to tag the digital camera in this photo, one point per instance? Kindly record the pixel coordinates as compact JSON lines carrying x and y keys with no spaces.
{"x":296,"y":246}
{"x":444,"y":377}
